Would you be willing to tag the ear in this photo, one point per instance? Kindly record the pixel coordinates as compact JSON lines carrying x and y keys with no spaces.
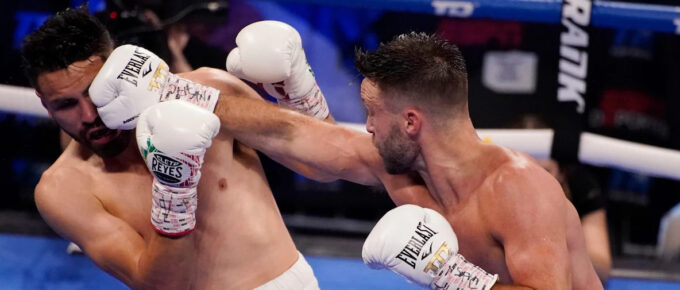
{"x":414,"y":122}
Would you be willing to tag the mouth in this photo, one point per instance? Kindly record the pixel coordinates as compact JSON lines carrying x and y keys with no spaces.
{"x":102,"y":135}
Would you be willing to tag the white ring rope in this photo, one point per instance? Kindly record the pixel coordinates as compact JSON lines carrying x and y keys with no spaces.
{"x":593,"y":149}
{"x":21,"y":100}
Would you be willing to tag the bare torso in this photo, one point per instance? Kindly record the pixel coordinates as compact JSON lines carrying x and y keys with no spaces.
{"x":473,"y":217}
{"x":478,"y":245}
{"x":240,"y":240}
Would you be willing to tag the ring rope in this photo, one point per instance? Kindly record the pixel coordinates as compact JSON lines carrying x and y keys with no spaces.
{"x":593,"y":149}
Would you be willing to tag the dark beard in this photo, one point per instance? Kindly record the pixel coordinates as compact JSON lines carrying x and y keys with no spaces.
{"x":116,"y":146}
{"x":110,"y":149}
{"x":398,"y":152}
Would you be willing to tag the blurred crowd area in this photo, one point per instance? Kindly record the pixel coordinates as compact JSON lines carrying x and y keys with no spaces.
{"x":633,"y":93}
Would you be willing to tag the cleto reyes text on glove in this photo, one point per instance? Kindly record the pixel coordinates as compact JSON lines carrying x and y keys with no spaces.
{"x":173,"y":137}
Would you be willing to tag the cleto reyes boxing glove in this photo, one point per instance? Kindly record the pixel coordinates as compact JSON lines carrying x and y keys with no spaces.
{"x":172,"y":138}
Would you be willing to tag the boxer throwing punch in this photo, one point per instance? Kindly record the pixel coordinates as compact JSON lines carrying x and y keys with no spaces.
{"x":180,"y":214}
{"x":514,"y":228}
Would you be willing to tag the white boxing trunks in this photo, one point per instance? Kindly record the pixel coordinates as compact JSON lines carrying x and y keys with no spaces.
{"x":298,"y":277}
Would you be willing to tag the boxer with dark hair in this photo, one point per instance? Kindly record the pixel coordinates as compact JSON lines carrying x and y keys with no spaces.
{"x":513,"y":227}
{"x":193,"y":210}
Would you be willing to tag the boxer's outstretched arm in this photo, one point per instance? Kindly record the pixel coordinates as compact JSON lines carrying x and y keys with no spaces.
{"x":330,"y":151}
{"x":73,"y":212}
{"x":317,"y":149}
{"x":314,"y":148}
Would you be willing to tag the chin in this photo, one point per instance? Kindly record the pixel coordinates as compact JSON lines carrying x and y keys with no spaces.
{"x":396,"y":166}
{"x":115,"y":146}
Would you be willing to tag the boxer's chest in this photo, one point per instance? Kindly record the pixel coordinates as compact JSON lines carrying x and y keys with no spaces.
{"x":127,"y":196}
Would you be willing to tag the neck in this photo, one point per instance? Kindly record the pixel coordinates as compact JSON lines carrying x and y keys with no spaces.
{"x":128,"y":160}
{"x":449,"y":162}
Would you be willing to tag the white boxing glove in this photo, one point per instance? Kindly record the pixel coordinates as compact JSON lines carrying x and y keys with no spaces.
{"x":173,"y":137}
{"x":420,"y":245}
{"x":270,"y":53}
{"x":132,"y":79}
{"x":411,"y":241}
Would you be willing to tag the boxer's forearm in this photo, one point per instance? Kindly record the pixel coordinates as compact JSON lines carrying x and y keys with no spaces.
{"x":163,"y":264}
{"x":273,"y":130}
{"x":316,"y":149}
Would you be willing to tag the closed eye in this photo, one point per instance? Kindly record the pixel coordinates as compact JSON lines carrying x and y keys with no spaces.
{"x":64,"y":104}
{"x":369,"y":111}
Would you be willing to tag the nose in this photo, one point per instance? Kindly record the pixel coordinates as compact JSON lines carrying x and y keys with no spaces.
{"x":369,"y":126}
{"x":88,"y":111}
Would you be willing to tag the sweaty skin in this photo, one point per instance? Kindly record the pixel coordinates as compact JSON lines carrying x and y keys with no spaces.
{"x":103,"y":203}
{"x":510,"y":215}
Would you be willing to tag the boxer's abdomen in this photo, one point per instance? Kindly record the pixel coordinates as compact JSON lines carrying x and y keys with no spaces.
{"x":241,"y":239}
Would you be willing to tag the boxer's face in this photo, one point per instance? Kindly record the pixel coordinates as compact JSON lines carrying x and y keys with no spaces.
{"x":64,"y":93}
{"x":397,"y":150}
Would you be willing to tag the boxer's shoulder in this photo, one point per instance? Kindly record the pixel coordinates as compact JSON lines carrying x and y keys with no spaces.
{"x":210,"y":77}
{"x":76,"y":170}
{"x":518,"y":182}
{"x":64,"y":175}
{"x":509,"y":166}
{"x":204,"y":74}
{"x":218,"y":79}
{"x":61,"y":186}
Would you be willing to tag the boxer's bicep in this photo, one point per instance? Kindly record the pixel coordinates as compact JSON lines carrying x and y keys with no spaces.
{"x":80,"y":217}
{"x":228,"y":84}
{"x":117,"y":251}
{"x":527,"y":218}
{"x":537,"y":261}
{"x":361,"y":161}
{"x":408,"y":189}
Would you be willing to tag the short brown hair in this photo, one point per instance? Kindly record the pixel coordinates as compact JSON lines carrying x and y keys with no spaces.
{"x":422,"y":68}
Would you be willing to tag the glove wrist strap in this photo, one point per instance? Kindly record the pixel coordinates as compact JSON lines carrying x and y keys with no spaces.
{"x":458,"y":273}
{"x":312,"y":104}
{"x":173,"y":209}
{"x":177,"y":88}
